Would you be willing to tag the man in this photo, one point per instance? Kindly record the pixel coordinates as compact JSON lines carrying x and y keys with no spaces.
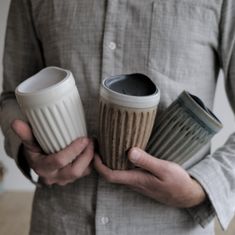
{"x":180,"y":45}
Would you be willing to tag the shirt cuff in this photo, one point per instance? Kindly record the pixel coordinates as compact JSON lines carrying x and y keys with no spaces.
{"x":210,"y":175}
{"x":202,"y":214}
{"x":23,"y":165}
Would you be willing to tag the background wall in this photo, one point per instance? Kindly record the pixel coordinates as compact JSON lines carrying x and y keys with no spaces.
{"x":15,"y":180}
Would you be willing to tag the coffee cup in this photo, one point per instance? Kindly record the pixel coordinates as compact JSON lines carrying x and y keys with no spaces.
{"x":183,"y":129}
{"x":52,"y":105}
{"x":128,"y":106}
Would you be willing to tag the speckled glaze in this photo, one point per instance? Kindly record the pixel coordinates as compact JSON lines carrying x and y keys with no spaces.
{"x":183,"y":129}
{"x":125,"y":120}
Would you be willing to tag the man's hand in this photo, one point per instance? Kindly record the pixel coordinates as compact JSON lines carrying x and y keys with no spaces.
{"x":161,"y":180}
{"x":61,"y":168}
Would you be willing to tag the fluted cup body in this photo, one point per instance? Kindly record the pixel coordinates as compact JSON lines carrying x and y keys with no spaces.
{"x":52,"y":105}
{"x":125,"y":120}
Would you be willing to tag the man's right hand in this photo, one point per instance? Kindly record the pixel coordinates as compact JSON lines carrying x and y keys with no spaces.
{"x":60,"y":168}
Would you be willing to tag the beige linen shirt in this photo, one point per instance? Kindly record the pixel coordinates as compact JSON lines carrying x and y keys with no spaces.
{"x":179,"y":44}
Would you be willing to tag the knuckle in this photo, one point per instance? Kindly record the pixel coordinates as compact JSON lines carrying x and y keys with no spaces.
{"x":62,"y":183}
{"x":48,"y":182}
{"x":88,"y":171}
{"x":81,"y":142}
{"x":137,"y":181}
{"x":78,"y":146}
{"x":145,"y":162}
{"x":167,"y":167}
{"x":59,"y":161}
{"x":38,"y":170}
{"x":91,"y":145}
{"x":90,"y":157}
{"x":167,"y":171}
{"x":110,"y":178}
{"x":76,"y":173}
{"x":90,"y":154}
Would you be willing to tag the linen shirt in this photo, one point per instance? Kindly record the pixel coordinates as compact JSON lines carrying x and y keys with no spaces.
{"x":179,"y":44}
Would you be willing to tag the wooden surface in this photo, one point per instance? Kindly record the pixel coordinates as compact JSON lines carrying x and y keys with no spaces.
{"x":15,"y":209}
{"x":230,"y":230}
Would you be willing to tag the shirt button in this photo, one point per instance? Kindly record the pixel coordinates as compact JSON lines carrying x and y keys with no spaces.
{"x":104,"y":220}
{"x":112,"y":45}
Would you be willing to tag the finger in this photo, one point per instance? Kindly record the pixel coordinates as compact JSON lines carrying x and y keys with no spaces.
{"x":47,"y":181}
{"x":136,"y":178}
{"x":79,"y":167}
{"x":61,"y":159}
{"x":24,"y":132}
{"x":65,"y":182}
{"x":147,"y":162}
{"x":87,"y":171}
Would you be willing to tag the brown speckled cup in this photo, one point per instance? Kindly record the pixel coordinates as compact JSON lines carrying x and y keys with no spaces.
{"x":128,"y":106}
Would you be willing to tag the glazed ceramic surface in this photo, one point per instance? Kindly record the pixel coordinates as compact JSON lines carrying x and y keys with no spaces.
{"x":183,"y":129}
{"x":51,"y":102}
{"x":128,"y":106}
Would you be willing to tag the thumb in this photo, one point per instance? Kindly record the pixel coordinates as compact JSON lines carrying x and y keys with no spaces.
{"x":147,"y":162}
{"x":24,"y":132}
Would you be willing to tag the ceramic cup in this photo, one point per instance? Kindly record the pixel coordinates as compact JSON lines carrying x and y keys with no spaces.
{"x":52,"y":105}
{"x":128,"y":105}
{"x":183,"y":129}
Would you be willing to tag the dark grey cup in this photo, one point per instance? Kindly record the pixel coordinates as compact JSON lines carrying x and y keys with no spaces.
{"x":185,"y":127}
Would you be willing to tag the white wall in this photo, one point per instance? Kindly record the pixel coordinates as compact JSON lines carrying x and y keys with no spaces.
{"x":15,"y":180}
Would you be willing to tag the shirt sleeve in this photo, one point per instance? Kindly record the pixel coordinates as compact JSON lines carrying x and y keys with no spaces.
{"x":216,"y":173}
{"x":22,"y":58}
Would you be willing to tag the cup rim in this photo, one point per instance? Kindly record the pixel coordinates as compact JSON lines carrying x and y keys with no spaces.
{"x":214,"y":123}
{"x":46,"y":96}
{"x":42,"y":91}
{"x":129,"y":100}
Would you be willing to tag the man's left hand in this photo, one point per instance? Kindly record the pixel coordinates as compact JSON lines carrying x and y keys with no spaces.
{"x":161,"y":180}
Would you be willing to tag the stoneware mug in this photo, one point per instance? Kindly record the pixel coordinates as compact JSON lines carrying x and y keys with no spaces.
{"x":128,"y":106}
{"x":184,"y":128}
{"x":52,"y":105}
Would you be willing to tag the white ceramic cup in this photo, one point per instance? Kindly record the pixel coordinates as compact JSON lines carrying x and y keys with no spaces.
{"x":52,"y":105}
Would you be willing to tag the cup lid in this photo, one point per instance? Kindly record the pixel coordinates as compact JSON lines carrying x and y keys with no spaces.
{"x":130,"y":90}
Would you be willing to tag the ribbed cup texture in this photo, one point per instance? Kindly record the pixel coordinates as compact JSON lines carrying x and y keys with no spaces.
{"x":121,"y":128}
{"x":57,"y":124}
{"x":178,"y":135}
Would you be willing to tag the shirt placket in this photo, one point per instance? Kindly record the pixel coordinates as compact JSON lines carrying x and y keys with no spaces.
{"x":112,"y":40}
{"x":111,"y":65}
